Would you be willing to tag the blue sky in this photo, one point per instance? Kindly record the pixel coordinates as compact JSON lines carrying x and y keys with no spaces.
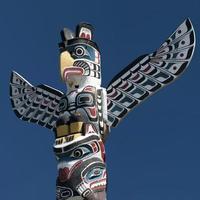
{"x":154,"y":153}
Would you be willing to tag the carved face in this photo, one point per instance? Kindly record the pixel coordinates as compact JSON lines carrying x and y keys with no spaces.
{"x":80,"y":65}
{"x":81,"y":168}
{"x":79,"y":58}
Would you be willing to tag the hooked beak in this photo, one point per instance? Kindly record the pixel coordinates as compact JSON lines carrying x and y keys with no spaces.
{"x":68,"y":72}
{"x":66,"y":67}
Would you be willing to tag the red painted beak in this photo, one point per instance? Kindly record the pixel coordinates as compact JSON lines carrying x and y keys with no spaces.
{"x":69,"y":71}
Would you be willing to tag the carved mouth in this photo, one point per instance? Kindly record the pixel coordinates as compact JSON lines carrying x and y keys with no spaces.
{"x":100,"y":184}
{"x":72,"y":71}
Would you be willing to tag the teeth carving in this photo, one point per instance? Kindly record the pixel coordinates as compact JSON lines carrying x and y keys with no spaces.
{"x":98,"y":184}
{"x":81,"y":188}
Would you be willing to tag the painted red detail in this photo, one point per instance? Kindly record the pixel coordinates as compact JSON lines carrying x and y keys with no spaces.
{"x":124,"y":85}
{"x":88,"y":36}
{"x":63,"y":174}
{"x":90,"y":129}
{"x":100,"y":186}
{"x":114,"y":94}
{"x":105,"y":174}
{"x":146,"y":69}
{"x":97,"y":57}
{"x":103,"y":155}
{"x":135,"y":77}
{"x":74,"y":167}
{"x":88,"y":89}
{"x":94,"y":147}
{"x":72,"y":71}
{"x":82,"y":35}
{"x":93,"y":111}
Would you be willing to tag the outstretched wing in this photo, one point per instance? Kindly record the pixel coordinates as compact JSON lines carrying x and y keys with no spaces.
{"x":149,"y":73}
{"x":38,"y":104}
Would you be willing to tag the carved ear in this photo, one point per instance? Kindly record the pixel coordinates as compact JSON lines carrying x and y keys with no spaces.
{"x":84,"y":30}
{"x":66,"y":34}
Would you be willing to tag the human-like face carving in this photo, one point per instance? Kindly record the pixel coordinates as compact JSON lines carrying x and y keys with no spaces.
{"x":81,"y":169}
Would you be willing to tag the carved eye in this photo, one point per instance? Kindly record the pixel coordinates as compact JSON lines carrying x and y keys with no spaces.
{"x":95,"y":173}
{"x":80,"y":51}
{"x":63,"y":104}
{"x":85,"y":99}
{"x":80,"y":152}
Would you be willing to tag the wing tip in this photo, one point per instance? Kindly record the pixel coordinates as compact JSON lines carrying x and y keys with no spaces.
{"x":188,"y":20}
{"x":11,"y":75}
{"x":13,"y":72}
{"x":189,"y":23}
{"x":17,"y":113}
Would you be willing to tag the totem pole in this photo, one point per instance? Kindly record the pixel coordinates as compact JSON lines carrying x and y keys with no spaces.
{"x":81,"y":119}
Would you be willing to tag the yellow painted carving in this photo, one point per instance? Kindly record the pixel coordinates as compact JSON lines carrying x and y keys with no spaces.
{"x":65,"y":61}
{"x":62,"y":130}
{"x":68,"y":138}
{"x":76,"y":127}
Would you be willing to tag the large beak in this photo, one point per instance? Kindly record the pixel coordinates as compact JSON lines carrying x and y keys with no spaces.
{"x":66,"y":66}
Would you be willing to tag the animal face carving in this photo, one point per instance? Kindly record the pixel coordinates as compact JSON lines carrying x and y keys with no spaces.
{"x":80,"y":62}
{"x":81,"y":167}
